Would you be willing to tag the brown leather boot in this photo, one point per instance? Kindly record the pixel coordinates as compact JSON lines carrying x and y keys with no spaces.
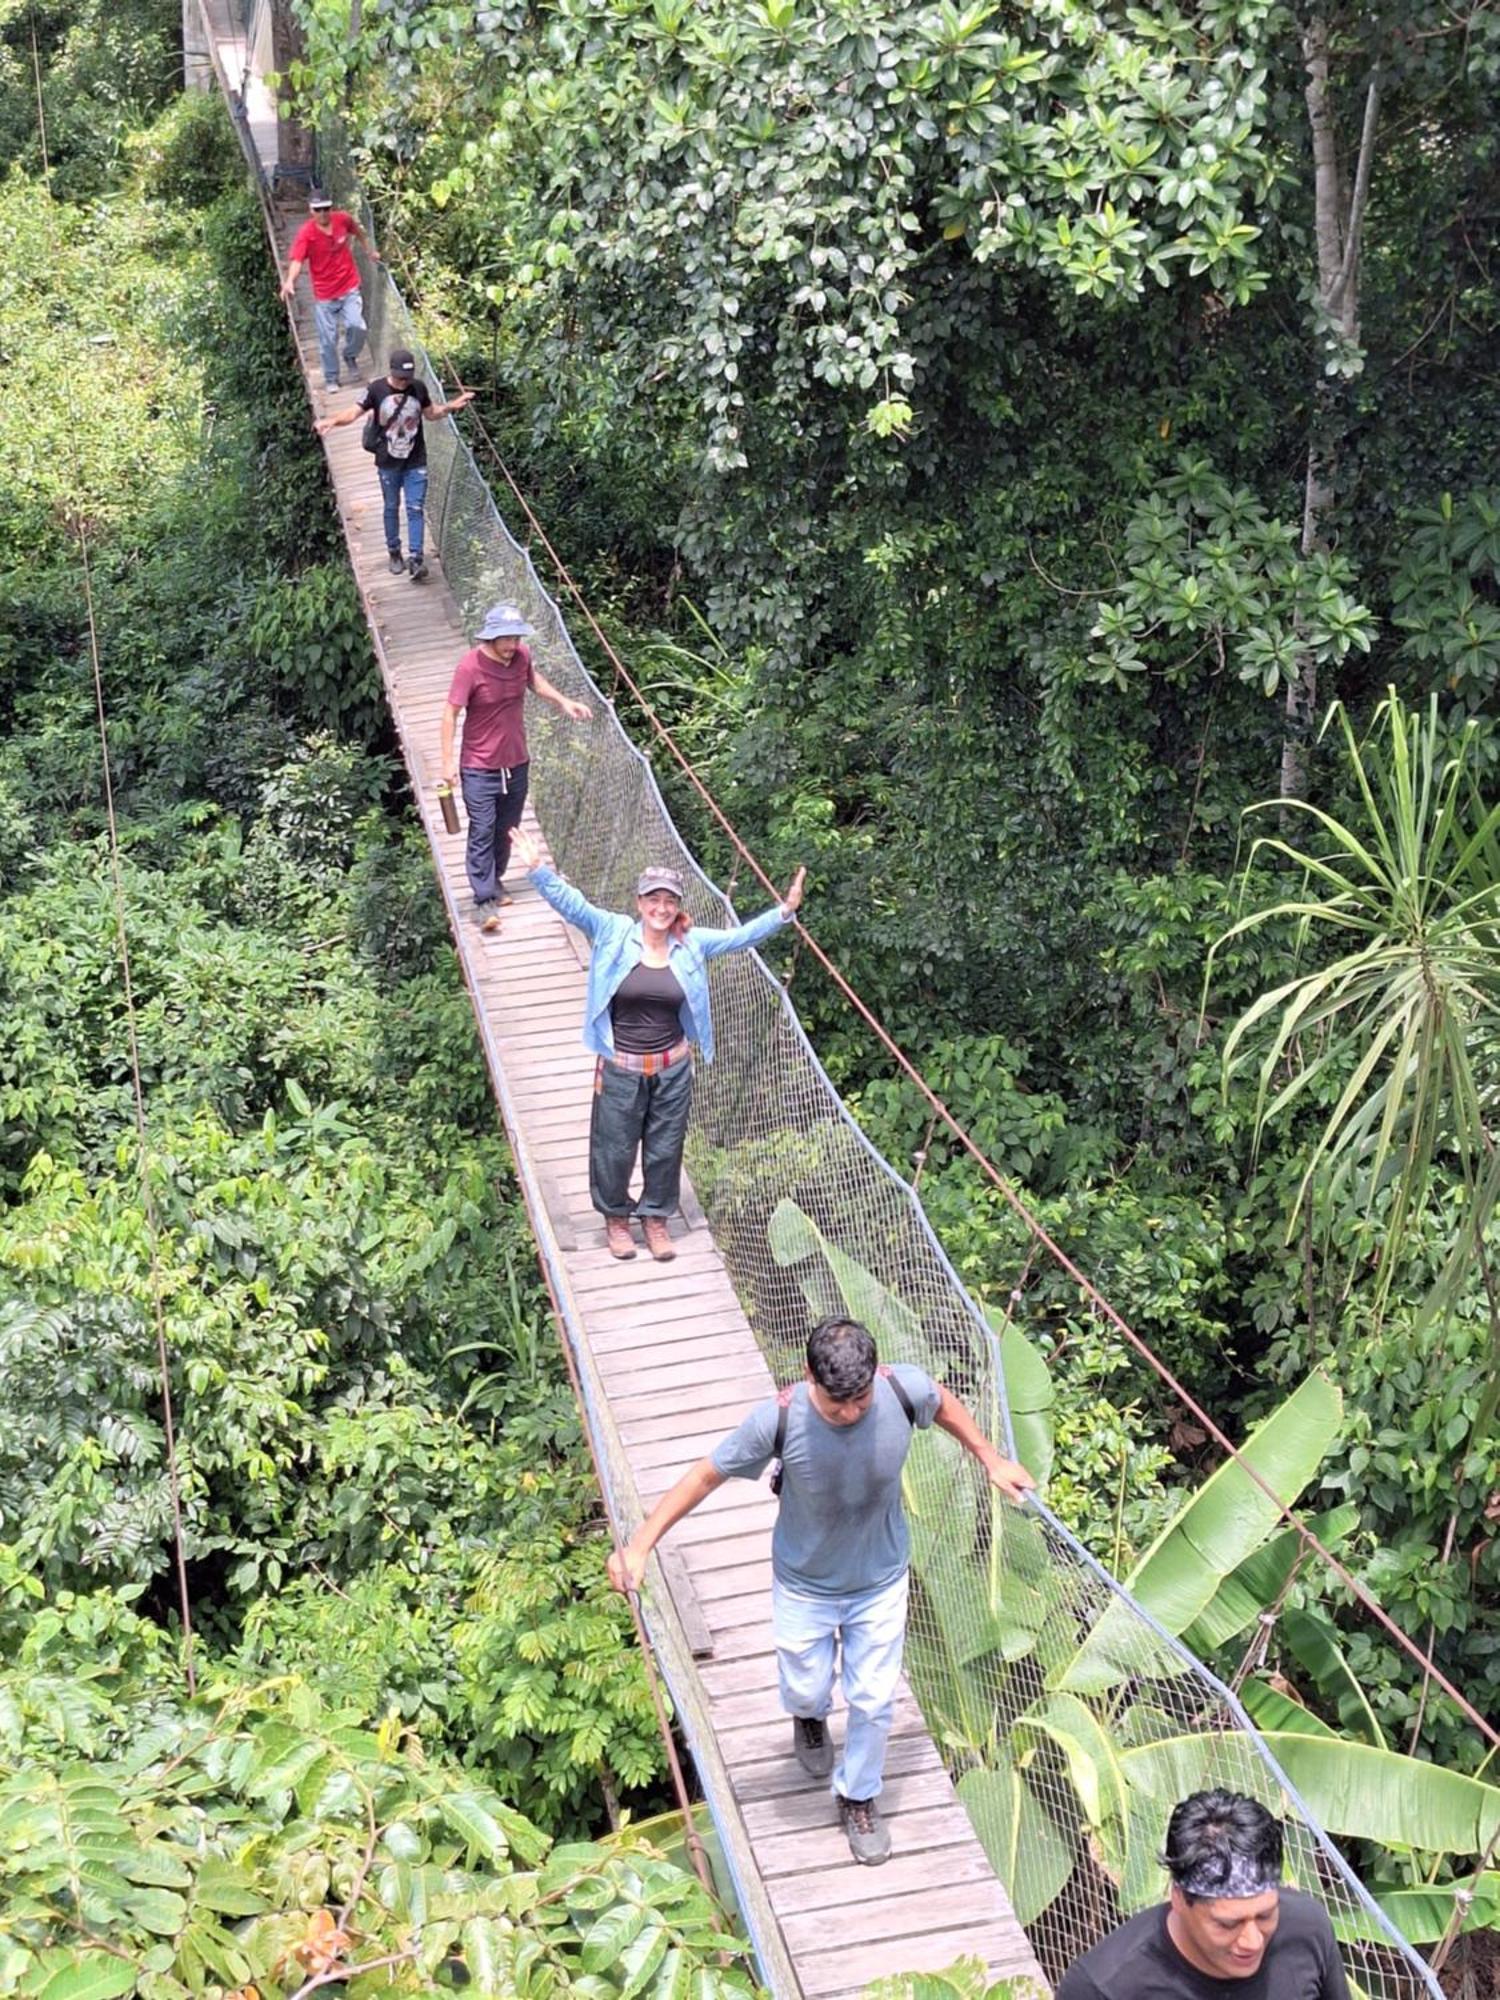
{"x":658,"y":1242}
{"x":617,"y":1237}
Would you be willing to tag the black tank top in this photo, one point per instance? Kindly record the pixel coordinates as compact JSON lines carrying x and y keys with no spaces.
{"x":645,"y":1010}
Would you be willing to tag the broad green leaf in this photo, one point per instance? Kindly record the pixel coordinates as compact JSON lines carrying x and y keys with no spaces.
{"x":1226,"y":1520}
{"x":642,"y":1956}
{"x":1314,"y":1644}
{"x":1259,"y":1581}
{"x":1268,"y":1708}
{"x":477,"y":1825}
{"x":1423,"y":1915}
{"x":1350,"y":1788}
{"x":1093,"y":1767}
{"x":609,"y":1937}
{"x":93,"y":1975}
{"x":227,"y":1890}
{"x":161,"y":1911}
{"x":1026,"y":1849}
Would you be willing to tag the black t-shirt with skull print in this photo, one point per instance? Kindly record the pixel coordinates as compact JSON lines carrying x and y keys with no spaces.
{"x":399,"y":414}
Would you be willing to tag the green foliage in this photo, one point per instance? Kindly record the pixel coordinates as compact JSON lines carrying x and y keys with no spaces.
{"x":1211,"y":575}
{"x":256,"y":1837}
{"x":183,"y":158}
{"x":310,"y":636}
{"x":965,"y":1979}
{"x":1447,"y":589}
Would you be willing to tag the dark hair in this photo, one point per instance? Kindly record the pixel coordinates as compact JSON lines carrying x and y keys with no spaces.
{"x":1209,"y":1832}
{"x":841,"y":1358}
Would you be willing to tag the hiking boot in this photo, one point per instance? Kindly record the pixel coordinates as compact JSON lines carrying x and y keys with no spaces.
{"x":658,"y":1242}
{"x":488,"y":916}
{"x":868,"y":1836}
{"x":416,"y":569}
{"x":810,"y":1742}
{"x":396,"y":563}
{"x":617,"y":1237}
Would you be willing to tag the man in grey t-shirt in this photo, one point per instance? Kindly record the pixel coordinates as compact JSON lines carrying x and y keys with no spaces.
{"x":840,"y":1550}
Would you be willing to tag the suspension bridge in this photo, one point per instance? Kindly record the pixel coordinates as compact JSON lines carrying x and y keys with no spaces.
{"x":789,"y":1212}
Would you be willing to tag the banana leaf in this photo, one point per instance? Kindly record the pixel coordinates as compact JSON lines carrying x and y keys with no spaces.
{"x":1349,"y":1788}
{"x":1029,"y":1393}
{"x":1225,"y":1521}
{"x":1268,"y":1708}
{"x":1259,"y":1581}
{"x":1314,"y":1645}
{"x":1027,"y":1850}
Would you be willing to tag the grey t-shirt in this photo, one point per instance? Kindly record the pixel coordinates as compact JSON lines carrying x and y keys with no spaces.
{"x":841,"y":1529}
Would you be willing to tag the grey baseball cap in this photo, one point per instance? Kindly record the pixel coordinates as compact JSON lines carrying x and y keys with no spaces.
{"x":504,"y":621}
{"x":659,"y":878}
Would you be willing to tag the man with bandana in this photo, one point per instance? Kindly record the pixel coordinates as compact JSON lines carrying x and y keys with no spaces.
{"x":1228,"y":1926}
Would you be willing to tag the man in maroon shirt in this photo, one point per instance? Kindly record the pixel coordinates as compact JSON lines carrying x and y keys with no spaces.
{"x":322,"y":244}
{"x":489,"y":687}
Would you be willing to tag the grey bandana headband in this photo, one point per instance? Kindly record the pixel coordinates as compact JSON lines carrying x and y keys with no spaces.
{"x":1229,"y":1875}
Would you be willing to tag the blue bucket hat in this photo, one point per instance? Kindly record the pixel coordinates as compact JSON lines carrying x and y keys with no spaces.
{"x":504,"y":621}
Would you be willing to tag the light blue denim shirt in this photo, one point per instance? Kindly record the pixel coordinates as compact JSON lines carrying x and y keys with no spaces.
{"x":616,"y":940}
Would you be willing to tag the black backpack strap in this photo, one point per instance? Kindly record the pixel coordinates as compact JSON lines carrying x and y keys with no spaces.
{"x":783,"y":1405}
{"x":900,"y":1394}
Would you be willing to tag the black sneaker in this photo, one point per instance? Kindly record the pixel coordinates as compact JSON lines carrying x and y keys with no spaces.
{"x":867,"y":1833}
{"x":417,"y":569}
{"x":810,"y":1742}
{"x":395,"y":562}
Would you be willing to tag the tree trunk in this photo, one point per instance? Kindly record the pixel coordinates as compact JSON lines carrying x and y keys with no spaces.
{"x":1338,"y":227}
{"x":294,"y":140}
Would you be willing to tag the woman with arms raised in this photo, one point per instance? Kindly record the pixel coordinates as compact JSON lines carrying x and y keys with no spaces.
{"x":647,"y":1005}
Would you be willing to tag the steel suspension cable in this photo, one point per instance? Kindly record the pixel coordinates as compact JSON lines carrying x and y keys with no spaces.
{"x":122,"y":939}
{"x":1032,"y":1223}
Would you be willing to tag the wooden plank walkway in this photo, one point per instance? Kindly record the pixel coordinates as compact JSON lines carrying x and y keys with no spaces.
{"x":677,"y":1363}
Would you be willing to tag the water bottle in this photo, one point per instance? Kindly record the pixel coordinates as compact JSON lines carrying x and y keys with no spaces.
{"x":449,"y":806}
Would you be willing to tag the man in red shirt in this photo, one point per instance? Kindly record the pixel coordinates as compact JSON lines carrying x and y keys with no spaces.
{"x":322,"y":244}
{"x":489,"y":688}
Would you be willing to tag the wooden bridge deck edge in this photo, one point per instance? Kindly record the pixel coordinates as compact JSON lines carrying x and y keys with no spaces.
{"x":963,"y":1907}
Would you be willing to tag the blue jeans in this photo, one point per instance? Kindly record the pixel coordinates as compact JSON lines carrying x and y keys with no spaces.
{"x":871,"y":1627}
{"x":638,"y":1114}
{"x":328,"y":316}
{"x":494,"y":801}
{"x":394,"y":481}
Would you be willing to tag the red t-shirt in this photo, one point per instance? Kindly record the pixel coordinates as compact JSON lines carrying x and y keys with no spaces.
{"x":493,"y":698}
{"x":327,"y":256}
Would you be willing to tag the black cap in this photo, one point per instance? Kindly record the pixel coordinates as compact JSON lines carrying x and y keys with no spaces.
{"x":403,"y":361}
{"x":317,"y":199}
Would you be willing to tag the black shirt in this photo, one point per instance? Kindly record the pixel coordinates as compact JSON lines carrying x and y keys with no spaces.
{"x":646,"y":1010}
{"x":1140,"y":1962}
{"x":399,"y":414}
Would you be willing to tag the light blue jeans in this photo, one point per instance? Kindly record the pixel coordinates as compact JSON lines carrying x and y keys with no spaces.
{"x":870,"y":1626}
{"x":329,"y":315}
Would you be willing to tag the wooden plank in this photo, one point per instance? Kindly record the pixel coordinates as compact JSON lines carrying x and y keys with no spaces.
{"x":679,"y":1584}
{"x":828,"y":1972}
{"x":905,"y":1874}
{"x":826,"y":1847}
{"x":679,"y":1364}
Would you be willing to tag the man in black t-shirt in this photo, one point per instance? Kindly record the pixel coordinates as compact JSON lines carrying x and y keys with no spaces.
{"x":1228,"y":1930}
{"x":397,"y":406}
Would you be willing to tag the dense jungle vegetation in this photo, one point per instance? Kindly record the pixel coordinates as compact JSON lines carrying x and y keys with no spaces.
{"x":997,"y":433}
{"x":1000,"y":432}
{"x":417,"y":1700}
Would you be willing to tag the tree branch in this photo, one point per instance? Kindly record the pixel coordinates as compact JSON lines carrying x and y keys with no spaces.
{"x":1354,"y":225}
